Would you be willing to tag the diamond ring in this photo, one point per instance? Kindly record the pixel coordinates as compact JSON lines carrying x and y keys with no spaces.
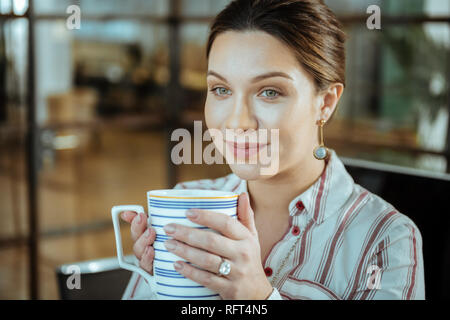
{"x":225,"y":267}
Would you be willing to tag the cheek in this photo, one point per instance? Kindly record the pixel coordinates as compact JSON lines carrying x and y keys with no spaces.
{"x":296,"y":132}
{"x":215,"y":115}
{"x":215,"y":118}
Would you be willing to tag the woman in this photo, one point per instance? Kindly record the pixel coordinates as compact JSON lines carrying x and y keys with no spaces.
{"x":306,"y":231}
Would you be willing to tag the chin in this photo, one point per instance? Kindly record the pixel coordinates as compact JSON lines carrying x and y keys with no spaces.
{"x":248,"y":171}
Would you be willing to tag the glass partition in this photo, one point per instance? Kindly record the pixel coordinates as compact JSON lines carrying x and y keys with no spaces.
{"x":109,"y":94}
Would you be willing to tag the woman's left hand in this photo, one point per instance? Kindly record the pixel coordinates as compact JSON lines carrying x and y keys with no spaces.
{"x":238,"y":243}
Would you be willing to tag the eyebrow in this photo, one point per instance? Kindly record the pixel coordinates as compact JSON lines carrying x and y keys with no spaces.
{"x":255,"y":79}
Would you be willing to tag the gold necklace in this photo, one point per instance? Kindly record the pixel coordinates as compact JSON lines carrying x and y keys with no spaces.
{"x":275,"y":278}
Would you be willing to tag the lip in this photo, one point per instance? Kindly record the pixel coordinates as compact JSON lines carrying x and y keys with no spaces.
{"x":246,"y":145}
{"x":245,"y":150}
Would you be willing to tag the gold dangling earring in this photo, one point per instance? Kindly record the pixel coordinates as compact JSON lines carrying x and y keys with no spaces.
{"x":321,"y":152}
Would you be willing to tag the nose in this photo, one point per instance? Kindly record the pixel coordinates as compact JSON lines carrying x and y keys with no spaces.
{"x":241,"y":117}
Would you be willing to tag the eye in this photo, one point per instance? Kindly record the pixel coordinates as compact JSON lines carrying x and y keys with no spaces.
{"x":270,"y":93}
{"x":221,"y":91}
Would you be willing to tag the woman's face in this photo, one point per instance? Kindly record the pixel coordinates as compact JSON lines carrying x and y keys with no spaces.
{"x":255,"y":82}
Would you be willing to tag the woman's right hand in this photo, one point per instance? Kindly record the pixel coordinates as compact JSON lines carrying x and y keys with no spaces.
{"x":143,"y":238}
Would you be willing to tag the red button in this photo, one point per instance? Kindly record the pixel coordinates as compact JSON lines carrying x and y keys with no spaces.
{"x":295,"y":231}
{"x":300,"y":206}
{"x":268,"y":271}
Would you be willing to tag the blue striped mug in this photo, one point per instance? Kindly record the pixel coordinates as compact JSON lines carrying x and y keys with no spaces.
{"x":170,"y":206}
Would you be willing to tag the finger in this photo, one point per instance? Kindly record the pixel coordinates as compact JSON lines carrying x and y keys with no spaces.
{"x":245,"y":213}
{"x":205,"y":278}
{"x":145,"y":240}
{"x":198,"y":257}
{"x":138,"y":226}
{"x":128,"y":216}
{"x":202,"y":239}
{"x":226,"y":225}
{"x":146,"y":262}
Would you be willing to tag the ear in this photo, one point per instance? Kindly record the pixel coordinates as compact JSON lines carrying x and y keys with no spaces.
{"x":329,"y":101}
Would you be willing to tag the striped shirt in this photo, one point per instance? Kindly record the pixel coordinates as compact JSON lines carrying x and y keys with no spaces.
{"x":347,"y":243}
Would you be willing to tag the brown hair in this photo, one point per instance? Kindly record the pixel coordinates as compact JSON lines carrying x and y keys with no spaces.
{"x":308,"y":27}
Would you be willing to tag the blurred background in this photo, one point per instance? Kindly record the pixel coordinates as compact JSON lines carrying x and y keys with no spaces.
{"x":86,"y":117}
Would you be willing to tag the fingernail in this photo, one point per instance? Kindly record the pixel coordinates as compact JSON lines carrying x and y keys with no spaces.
{"x":191,"y":214}
{"x":170,"y":245}
{"x":177,"y":265}
{"x":139,"y":218}
{"x":169,"y":228}
{"x":147,"y":233}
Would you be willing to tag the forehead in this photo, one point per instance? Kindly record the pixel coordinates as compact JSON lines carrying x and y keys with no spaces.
{"x":250,"y":53}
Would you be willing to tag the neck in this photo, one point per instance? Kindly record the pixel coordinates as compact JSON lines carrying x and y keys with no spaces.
{"x":285,"y":185}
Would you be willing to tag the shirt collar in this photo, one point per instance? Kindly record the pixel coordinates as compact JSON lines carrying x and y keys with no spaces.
{"x":326,"y":196}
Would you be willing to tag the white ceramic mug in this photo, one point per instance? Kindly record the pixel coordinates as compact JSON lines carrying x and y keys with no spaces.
{"x":170,"y":206}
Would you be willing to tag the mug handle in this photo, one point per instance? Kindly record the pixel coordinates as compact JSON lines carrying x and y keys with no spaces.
{"x":115,"y":212}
